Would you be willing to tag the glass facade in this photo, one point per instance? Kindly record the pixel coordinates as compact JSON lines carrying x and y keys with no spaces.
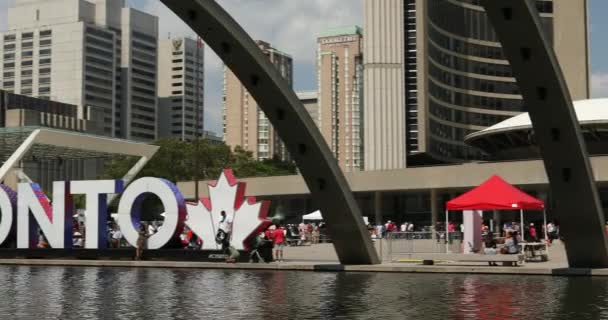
{"x":471,"y":85}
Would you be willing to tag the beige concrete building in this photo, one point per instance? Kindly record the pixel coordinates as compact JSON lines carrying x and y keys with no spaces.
{"x":432,"y":78}
{"x":310,"y":100}
{"x":416,"y":195}
{"x":180,"y":88}
{"x":245,"y":124}
{"x":384,"y":87}
{"x":340,"y":85}
{"x":85,"y":52}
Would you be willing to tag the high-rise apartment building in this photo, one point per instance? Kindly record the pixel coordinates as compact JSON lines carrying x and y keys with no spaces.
{"x":245,"y":124}
{"x":89,"y":53}
{"x":180,"y":88}
{"x":340,"y":85}
{"x":435,"y":72}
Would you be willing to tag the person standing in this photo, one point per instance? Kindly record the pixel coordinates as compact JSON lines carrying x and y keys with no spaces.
{"x":116,"y":237}
{"x":533,"y":233}
{"x":379,"y":230}
{"x":141,"y":242}
{"x":551,"y":230}
{"x":225,"y":223}
{"x":302,"y":229}
{"x":278,"y":239}
{"x":309,"y":229}
{"x":316,"y":234}
{"x":224,"y":231}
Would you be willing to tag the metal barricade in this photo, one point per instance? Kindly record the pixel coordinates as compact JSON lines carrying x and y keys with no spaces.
{"x":400,"y":245}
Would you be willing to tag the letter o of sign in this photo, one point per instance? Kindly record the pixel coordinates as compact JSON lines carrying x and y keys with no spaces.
{"x":7,"y":211}
{"x":130,"y":206}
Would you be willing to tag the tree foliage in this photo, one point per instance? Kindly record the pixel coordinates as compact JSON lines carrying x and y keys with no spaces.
{"x":175,"y":161}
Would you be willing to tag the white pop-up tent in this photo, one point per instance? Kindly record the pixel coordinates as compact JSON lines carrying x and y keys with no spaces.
{"x":313,"y":216}
{"x":317,"y":216}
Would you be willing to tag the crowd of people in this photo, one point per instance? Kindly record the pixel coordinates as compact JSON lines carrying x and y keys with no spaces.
{"x":532,"y":232}
{"x":304,"y":233}
{"x":267,"y":246}
{"x":382,"y":230}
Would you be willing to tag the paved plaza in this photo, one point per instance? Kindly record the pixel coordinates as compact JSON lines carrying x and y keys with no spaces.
{"x":322,"y":258}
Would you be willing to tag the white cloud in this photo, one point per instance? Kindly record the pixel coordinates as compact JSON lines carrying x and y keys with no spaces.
{"x":599,"y":85}
{"x":290,"y":26}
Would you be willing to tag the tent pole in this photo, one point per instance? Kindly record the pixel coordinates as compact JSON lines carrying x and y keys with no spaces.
{"x":447,"y":232}
{"x":545,"y":223}
{"x":521,"y":226}
{"x":546,"y":235}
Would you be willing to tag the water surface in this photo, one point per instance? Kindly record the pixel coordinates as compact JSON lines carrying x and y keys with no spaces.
{"x":115,"y":293}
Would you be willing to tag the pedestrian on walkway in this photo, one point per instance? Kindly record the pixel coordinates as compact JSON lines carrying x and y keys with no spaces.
{"x":142,"y":239}
{"x":278,"y":239}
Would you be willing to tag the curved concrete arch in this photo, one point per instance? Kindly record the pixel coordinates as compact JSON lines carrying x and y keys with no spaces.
{"x":328,"y":187}
{"x":556,"y":129}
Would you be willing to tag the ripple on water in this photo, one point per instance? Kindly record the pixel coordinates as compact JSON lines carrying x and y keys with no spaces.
{"x":114,"y":293}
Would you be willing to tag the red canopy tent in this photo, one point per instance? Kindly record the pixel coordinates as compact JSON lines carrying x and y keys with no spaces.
{"x":496,"y":194}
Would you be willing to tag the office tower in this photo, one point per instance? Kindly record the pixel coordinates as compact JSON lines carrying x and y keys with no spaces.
{"x":85,"y":52}
{"x":245,"y":124}
{"x":435,"y":72}
{"x":180,"y":88}
{"x":340,"y":76}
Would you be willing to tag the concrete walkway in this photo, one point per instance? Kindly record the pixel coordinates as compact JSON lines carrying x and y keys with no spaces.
{"x":315,"y":266}
{"x":322,"y":258}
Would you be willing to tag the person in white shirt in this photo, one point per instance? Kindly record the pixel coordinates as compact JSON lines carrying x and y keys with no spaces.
{"x":225,"y":223}
{"x":116,"y":237}
{"x":403,"y":227}
{"x":379,"y":230}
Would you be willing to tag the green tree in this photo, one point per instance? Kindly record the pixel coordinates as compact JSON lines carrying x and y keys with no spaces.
{"x":175,"y":161}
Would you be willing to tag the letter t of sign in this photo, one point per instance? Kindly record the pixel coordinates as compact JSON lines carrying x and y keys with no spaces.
{"x":96,"y":212}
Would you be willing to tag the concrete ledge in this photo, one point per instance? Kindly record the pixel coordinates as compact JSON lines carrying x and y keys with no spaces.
{"x":312,"y":267}
{"x":464,"y":257}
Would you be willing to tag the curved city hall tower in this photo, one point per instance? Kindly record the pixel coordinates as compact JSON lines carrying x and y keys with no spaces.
{"x":455,"y":78}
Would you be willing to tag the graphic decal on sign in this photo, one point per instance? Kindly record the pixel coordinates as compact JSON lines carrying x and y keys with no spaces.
{"x":244,"y":216}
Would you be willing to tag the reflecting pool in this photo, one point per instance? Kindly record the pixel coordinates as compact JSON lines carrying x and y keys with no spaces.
{"x":114,"y":293}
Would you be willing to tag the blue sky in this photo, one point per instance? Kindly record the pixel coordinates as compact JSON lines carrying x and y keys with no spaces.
{"x":292,"y":26}
{"x":599,"y":43}
{"x":599,"y":47}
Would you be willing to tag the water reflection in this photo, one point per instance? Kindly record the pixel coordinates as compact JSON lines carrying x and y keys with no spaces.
{"x":92,"y":293}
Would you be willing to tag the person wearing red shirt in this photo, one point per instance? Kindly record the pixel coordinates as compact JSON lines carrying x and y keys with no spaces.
{"x":532,"y":231}
{"x":278,"y":239}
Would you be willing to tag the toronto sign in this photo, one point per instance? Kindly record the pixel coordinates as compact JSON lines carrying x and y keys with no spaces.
{"x":28,"y":210}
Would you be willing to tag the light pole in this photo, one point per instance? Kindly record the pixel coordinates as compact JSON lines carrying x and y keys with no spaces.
{"x":197,"y":115}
